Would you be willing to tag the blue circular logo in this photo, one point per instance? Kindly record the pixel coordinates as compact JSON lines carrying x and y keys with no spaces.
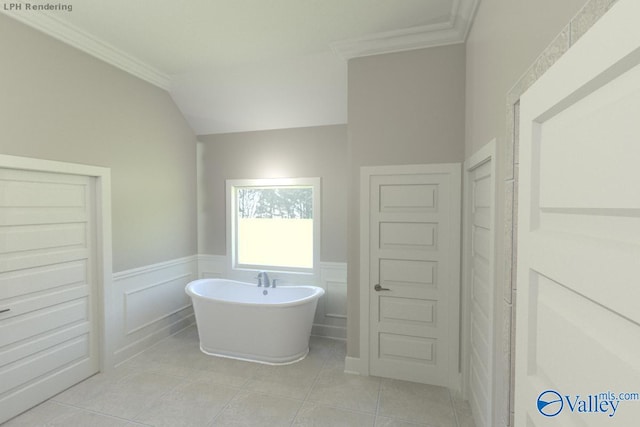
{"x":550,"y":403}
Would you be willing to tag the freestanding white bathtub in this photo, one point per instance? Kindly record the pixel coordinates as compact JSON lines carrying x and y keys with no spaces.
{"x":243,"y":321}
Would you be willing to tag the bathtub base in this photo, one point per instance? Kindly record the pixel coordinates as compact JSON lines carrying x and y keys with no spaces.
{"x":241,"y":321}
{"x":256,"y":359}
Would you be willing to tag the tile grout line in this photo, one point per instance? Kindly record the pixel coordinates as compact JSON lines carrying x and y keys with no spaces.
{"x":227,"y":405}
{"x":158,"y":398}
{"x":119,"y":382}
{"x":315,"y":381}
{"x":240,"y":389}
{"x":184,"y":380}
{"x":332,"y":354}
{"x":92,"y":411}
{"x":453,"y":408}
{"x":378,"y":401}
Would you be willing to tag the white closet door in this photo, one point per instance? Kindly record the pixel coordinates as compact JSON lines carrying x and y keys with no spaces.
{"x":578,"y":298}
{"x":48,"y":337}
{"x":480,"y":279}
{"x":414,"y":282}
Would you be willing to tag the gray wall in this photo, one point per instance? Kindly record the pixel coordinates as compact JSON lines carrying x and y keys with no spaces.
{"x":505,"y":39}
{"x":303,"y":152}
{"x":59,"y":103}
{"x":404,"y":108}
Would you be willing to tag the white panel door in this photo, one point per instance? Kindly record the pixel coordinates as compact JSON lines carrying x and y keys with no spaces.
{"x":480,"y":280}
{"x":48,"y":338}
{"x":414,"y":273}
{"x":578,"y":298}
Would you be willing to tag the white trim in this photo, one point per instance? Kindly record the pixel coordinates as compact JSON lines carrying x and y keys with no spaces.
{"x":121,"y":275}
{"x":485,"y":154}
{"x":52,"y":26}
{"x":104,"y":263}
{"x":365,"y":176}
{"x":158,"y":319}
{"x":366,"y":172}
{"x":356,"y":366}
{"x":453,"y":31}
{"x":155,"y":284}
{"x":336,"y":316}
{"x":336,"y":267}
{"x":148,"y":341}
{"x":201,"y":197}
{"x":328,"y":331}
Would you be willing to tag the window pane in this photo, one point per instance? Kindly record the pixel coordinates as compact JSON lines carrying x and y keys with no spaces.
{"x":275,"y":226}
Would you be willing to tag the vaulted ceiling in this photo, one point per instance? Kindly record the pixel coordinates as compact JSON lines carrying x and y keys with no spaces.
{"x":241,"y":65}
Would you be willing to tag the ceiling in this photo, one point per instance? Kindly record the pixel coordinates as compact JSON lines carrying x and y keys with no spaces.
{"x":242,"y":65}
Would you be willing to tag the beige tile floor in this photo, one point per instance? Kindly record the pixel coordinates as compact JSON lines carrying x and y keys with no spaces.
{"x":174,"y":384}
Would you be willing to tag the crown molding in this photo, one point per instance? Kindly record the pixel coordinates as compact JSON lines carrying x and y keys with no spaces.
{"x":73,"y":36}
{"x":454,"y":31}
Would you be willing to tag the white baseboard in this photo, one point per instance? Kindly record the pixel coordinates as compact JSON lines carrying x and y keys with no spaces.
{"x":327,"y":331}
{"x":355,"y":365}
{"x":140,"y":345}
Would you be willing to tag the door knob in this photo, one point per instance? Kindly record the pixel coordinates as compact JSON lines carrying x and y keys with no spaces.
{"x":379,"y":288}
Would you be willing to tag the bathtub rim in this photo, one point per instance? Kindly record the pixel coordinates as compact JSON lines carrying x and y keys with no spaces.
{"x":318,"y":292}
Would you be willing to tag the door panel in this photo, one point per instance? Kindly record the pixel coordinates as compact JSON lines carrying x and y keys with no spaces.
{"x":414,"y":258}
{"x":40,"y":278}
{"x":420,"y":197}
{"x":407,"y":310}
{"x":409,"y":349}
{"x":35,"y":366}
{"x":48,"y":337}
{"x":408,"y":236}
{"x":578,"y":324}
{"x":480,"y":181}
{"x":408,"y":272}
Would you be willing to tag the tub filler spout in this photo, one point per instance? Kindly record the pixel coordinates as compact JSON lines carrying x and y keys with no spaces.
{"x":263,"y":279}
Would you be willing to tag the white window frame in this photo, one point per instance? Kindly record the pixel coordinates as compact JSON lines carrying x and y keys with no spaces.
{"x":246,"y":272}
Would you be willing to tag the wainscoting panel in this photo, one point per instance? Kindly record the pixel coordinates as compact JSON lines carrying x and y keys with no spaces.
{"x":212,"y":266}
{"x":139,"y":314}
{"x":331,"y":314}
{"x":150,"y":304}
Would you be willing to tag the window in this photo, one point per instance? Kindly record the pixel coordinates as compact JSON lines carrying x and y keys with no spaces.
{"x":274,"y":224}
